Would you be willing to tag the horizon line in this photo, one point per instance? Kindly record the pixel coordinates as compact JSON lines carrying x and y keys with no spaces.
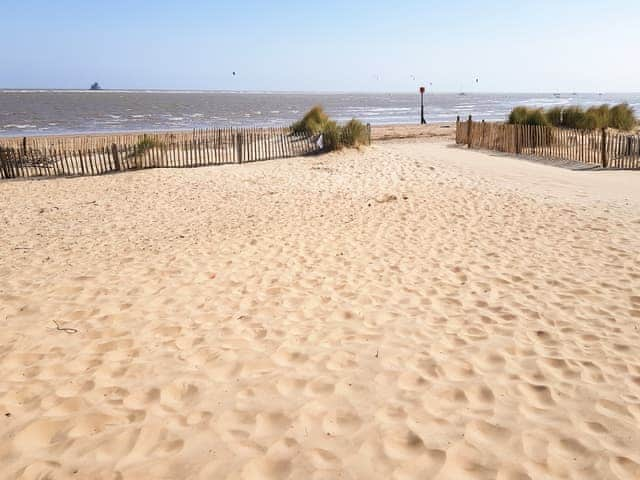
{"x":309,"y":92}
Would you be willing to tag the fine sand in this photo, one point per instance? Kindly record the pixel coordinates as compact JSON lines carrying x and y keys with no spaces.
{"x":412,"y":310}
{"x":432,"y":131}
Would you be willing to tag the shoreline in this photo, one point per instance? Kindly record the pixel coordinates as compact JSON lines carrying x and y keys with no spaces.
{"x":378,"y":132}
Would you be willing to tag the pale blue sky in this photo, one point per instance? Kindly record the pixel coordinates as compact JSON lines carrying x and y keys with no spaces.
{"x":330,"y":45}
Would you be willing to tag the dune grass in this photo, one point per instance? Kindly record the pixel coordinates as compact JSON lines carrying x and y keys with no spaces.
{"x":334,"y":136}
{"x":145,"y":144}
{"x":554,"y":115}
{"x":621,"y":117}
{"x":354,"y":134}
{"x":528,"y":116}
{"x":313,"y":122}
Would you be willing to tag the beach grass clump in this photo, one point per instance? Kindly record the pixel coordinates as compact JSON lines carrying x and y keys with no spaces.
{"x":528,"y":116}
{"x":590,"y":120}
{"x":573,"y":117}
{"x":598,"y":116}
{"x":620,"y":117}
{"x":145,"y":144}
{"x":354,"y":134}
{"x":313,"y":122}
{"x":554,"y":115}
{"x":518,"y":116}
{"x":538,"y":117}
{"x":334,"y":136}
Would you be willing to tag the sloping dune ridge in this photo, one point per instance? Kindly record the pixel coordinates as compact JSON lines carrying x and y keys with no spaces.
{"x":411,"y":310}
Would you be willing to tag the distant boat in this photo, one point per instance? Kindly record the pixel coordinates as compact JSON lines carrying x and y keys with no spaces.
{"x":462,"y":94}
{"x":95,"y":86}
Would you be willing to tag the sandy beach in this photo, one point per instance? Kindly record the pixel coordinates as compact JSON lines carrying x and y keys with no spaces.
{"x":409,"y":310}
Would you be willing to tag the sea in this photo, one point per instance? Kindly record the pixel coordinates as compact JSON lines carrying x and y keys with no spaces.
{"x":48,"y":112}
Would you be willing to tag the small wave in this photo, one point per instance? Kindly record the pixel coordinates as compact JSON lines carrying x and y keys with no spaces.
{"x":380,"y":109}
{"x":26,"y":91}
{"x":21,"y":127}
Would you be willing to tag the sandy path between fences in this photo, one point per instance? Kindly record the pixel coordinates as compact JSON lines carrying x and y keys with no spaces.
{"x":412,"y":310}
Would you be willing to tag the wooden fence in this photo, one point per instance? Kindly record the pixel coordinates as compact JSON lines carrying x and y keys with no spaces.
{"x":99,"y":154}
{"x":604,"y":148}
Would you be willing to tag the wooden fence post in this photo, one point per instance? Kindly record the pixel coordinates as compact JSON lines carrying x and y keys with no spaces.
{"x":4,"y":164}
{"x":239,"y":145}
{"x":517,"y":132}
{"x":469,"y":130}
{"x":116,"y":159}
{"x":368,"y":134}
{"x":24,"y":146}
{"x":603,"y":156}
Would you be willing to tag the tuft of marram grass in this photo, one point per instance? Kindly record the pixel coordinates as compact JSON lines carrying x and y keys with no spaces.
{"x":315,"y":122}
{"x":147,"y":143}
{"x":332,"y":136}
{"x":598,"y":116}
{"x":573,"y":117}
{"x":554,"y":115}
{"x":620,"y":117}
{"x":527,"y":116}
{"x":518,"y":115}
{"x":537,"y":117}
{"x":354,"y":134}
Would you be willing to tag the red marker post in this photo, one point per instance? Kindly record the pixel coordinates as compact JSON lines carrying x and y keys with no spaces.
{"x":422,"y":120}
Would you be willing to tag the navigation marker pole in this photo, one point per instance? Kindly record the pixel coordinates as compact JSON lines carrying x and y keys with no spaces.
{"x":422,"y":120}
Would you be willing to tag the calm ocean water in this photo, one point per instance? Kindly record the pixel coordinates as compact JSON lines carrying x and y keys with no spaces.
{"x":41,"y":112}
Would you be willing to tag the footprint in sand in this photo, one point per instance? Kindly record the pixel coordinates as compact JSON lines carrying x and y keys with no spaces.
{"x":341,"y":421}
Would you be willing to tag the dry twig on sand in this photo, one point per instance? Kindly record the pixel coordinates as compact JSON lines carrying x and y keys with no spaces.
{"x":66,"y":330}
{"x":386,"y":198}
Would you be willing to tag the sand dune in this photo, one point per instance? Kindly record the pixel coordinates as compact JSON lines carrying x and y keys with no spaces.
{"x":409,"y":311}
